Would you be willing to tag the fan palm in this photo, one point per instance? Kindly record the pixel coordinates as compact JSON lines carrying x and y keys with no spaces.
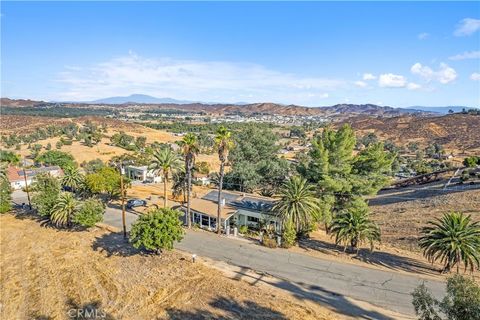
{"x":179,"y":184}
{"x":354,"y":226}
{"x":72,"y":178}
{"x":297,"y":204}
{"x":64,"y":210}
{"x":224,"y":143}
{"x":453,"y":239}
{"x":189,"y":149}
{"x":166,"y":161}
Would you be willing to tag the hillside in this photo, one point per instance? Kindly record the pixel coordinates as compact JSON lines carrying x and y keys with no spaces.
{"x":456,"y":131}
{"x":336,"y":111}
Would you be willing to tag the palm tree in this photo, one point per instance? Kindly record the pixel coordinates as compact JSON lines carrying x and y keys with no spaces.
{"x":224,"y":143}
{"x":63,"y":211}
{"x":354,"y":226}
{"x":166,"y":161}
{"x":297,"y":204}
{"x":453,"y":239}
{"x":179,"y":184}
{"x":190,"y":150}
{"x":72,"y":178}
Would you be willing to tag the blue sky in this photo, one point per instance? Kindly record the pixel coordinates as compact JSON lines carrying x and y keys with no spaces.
{"x":309,"y":53}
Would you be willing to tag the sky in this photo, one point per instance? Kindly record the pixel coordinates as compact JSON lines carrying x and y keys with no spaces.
{"x":304,"y":53}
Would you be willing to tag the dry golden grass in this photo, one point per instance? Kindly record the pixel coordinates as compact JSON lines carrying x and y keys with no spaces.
{"x":46,"y":272}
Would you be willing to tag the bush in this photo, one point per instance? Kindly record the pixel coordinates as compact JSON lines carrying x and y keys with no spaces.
{"x":91,"y":211}
{"x":46,"y":190}
{"x":5,"y":196}
{"x":243,"y":229}
{"x":461,"y":302}
{"x":269,"y":242}
{"x":289,"y":235}
{"x":56,"y":158}
{"x":471,"y":161}
{"x":157,"y":230}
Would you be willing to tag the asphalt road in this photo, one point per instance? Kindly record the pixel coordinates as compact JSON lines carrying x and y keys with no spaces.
{"x":308,"y":278}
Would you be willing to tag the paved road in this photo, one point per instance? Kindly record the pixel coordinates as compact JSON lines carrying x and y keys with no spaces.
{"x":309,"y":278}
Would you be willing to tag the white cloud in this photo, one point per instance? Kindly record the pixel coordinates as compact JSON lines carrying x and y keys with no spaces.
{"x":466,"y":55}
{"x":444,"y":74}
{"x":390,"y":80}
{"x":361,"y":84}
{"x":413,"y":86}
{"x":475,"y":76}
{"x":191,"y":80}
{"x":369,"y":76}
{"x":423,"y":36}
{"x":466,"y":27}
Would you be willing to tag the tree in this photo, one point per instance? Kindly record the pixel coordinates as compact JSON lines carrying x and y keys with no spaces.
{"x":461,"y":302}
{"x":90,"y":212}
{"x":157,"y":230}
{"x":255,"y":162}
{"x":289,"y":235}
{"x":106,"y":180}
{"x":63,"y":211}
{"x":56,"y":158}
{"x":353,"y":226}
{"x":46,"y":190}
{"x":190,"y":150}
{"x":93,"y":166}
{"x":297,"y":204}
{"x":9,"y":157}
{"x":166,"y":161}
{"x":5,"y":196}
{"x":454,"y":239}
{"x":72,"y":178}
{"x":339,"y":174}
{"x":224,"y":144}
{"x":179,"y":185}
{"x":471,"y":161}
{"x":3,"y":171}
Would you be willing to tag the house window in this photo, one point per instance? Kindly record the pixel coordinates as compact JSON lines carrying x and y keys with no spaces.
{"x":252,"y":219}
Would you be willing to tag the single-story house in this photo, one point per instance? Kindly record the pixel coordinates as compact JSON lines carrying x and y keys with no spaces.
{"x":17,"y":179}
{"x":238,"y":209}
{"x":142,"y":173}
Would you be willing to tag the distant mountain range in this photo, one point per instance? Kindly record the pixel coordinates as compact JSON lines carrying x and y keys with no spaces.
{"x":152,"y":103}
{"x":140,"y":98}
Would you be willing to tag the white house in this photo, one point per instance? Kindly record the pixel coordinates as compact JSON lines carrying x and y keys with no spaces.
{"x":17,"y":178}
{"x":142,"y":173}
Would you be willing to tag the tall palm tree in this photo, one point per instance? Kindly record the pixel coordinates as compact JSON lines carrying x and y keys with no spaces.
{"x":297,"y":204}
{"x":179,"y":184}
{"x":190,"y":149}
{"x":64,"y":210}
{"x":453,"y":239}
{"x":224,"y":143}
{"x":72,"y":178}
{"x":354,"y":226}
{"x":166,"y":161}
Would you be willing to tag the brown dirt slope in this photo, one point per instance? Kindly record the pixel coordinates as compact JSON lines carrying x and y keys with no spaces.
{"x":46,"y":272}
{"x":459,"y":131}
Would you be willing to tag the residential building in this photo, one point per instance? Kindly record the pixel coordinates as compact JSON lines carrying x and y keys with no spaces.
{"x":17,"y":178}
{"x":142,"y":173}
{"x":238,"y":209}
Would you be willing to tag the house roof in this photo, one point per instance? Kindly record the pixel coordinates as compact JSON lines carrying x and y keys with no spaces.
{"x":242,"y":200}
{"x":16,"y":174}
{"x":210,"y":208}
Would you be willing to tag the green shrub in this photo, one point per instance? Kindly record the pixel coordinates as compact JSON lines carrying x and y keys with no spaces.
{"x":157,"y":230}
{"x":5,"y":196}
{"x":461,"y":302}
{"x":46,"y":190}
{"x":243,"y":229}
{"x":91,"y":211}
{"x":289,"y":235}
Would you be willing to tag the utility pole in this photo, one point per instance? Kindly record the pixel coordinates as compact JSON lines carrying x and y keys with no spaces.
{"x":123,"y":203}
{"x":26,"y":188}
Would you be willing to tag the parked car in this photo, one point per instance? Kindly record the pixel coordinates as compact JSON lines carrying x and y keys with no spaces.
{"x":136,"y":203}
